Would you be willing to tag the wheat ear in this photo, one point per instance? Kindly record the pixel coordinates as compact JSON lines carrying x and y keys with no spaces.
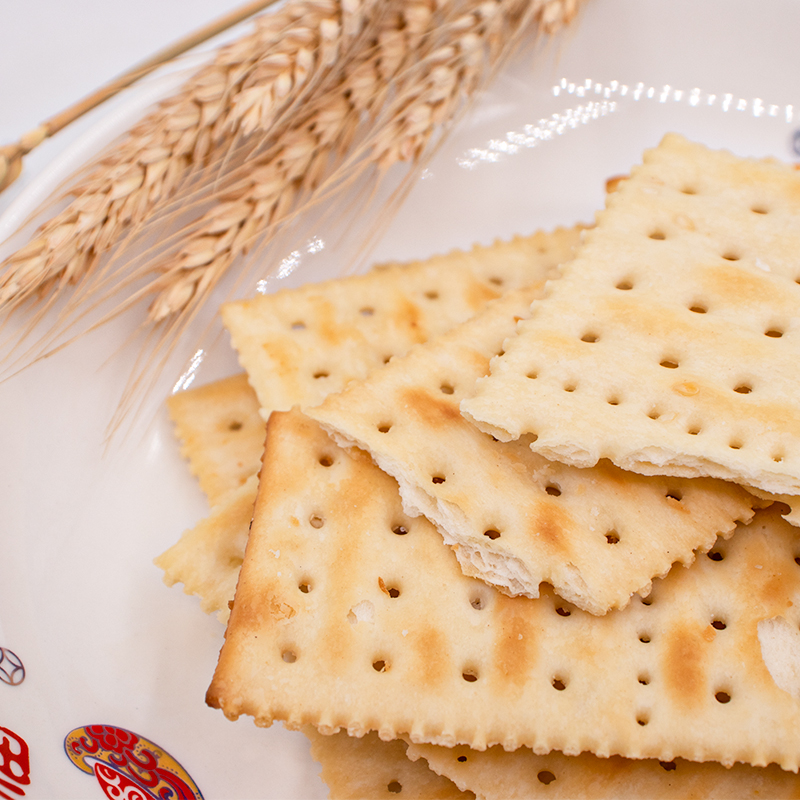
{"x":246,"y":88}
{"x":432,"y":61}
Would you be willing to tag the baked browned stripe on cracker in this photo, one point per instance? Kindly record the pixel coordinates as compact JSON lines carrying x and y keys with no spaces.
{"x":349,"y":614}
{"x":298,"y":345}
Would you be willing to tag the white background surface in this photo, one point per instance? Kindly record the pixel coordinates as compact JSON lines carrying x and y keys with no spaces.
{"x":103,"y":640}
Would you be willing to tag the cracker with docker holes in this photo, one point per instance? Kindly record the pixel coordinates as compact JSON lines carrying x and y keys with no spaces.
{"x":218,"y":424}
{"x":298,"y":345}
{"x":522,"y":775}
{"x":221,"y":433}
{"x":513,"y":518}
{"x":355,"y":769}
{"x":208,"y":563}
{"x":206,"y":559}
{"x":671,"y":344}
{"x":350,"y":614}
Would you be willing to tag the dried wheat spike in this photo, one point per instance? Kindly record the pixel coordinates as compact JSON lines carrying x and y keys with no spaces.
{"x":425,"y":64}
{"x":246,"y":88}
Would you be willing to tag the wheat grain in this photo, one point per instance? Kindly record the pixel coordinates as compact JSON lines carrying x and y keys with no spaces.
{"x":433,"y":62}
{"x":246,"y":88}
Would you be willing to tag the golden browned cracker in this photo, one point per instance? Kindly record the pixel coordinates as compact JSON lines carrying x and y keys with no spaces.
{"x":351,"y":615}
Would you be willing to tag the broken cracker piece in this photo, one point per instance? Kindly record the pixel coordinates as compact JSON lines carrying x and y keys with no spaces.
{"x":513,"y":518}
{"x":671,"y":344}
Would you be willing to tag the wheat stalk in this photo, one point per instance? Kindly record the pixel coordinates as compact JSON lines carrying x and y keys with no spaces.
{"x":433,"y":62}
{"x":247,"y":88}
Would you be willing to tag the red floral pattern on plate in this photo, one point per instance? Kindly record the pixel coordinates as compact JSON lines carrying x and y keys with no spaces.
{"x":15,"y":765}
{"x":128,"y":766}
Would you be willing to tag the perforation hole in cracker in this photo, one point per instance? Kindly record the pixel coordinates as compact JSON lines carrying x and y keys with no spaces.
{"x":625,"y":284}
{"x":731,"y":255}
{"x":321,"y":373}
{"x":446,"y":388}
{"x":390,"y":590}
{"x":545,"y":776}
{"x":478,"y":601}
{"x":717,"y":554}
{"x":470,"y":674}
{"x":590,"y":337}
{"x":558,"y":683}
{"x":657,"y":235}
{"x":492,"y":533}
{"x":395,"y":787}
{"x":399,"y":530}
{"x":698,"y":308}
{"x":326,"y":460}
{"x":316,"y":520}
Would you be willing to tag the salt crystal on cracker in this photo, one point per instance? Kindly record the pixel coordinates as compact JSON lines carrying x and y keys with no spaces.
{"x":298,"y":345}
{"x":671,"y":344}
{"x":513,"y":518}
{"x":349,"y":614}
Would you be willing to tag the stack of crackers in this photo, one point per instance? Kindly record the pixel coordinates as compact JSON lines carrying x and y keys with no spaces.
{"x":523,"y":525}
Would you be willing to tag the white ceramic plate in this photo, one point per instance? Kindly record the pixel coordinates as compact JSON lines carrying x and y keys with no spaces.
{"x":102,"y":640}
